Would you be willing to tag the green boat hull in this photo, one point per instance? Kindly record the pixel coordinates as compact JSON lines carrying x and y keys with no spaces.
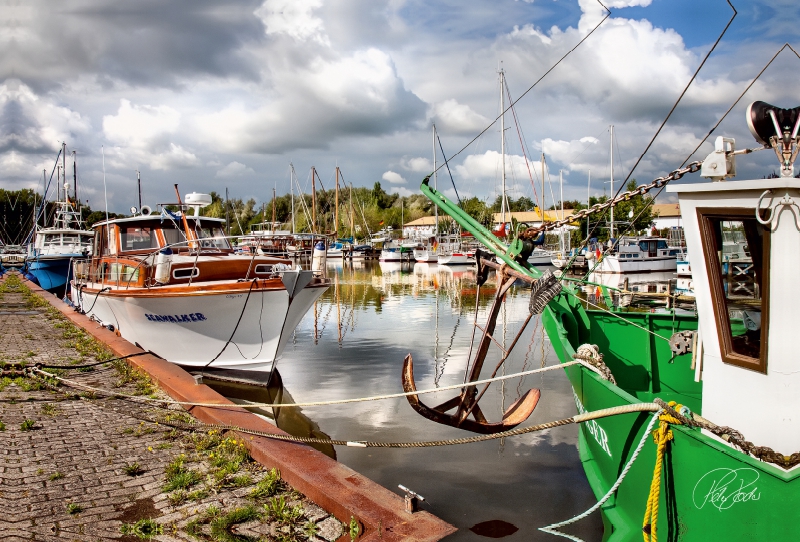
{"x":708,"y":490}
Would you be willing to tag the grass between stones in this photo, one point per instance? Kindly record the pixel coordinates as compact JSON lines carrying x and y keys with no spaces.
{"x":211,"y":463}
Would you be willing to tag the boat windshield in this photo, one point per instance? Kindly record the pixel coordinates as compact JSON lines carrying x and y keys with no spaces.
{"x":138,"y":238}
{"x":212,"y":237}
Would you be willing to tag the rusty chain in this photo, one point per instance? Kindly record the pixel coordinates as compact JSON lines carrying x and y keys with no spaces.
{"x":640,"y":190}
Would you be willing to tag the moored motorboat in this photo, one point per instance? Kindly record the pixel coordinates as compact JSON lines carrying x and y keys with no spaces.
{"x":172,"y":284}
{"x":638,"y":255}
{"x":50,"y":255}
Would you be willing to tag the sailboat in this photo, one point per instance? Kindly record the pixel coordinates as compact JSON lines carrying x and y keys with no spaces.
{"x":53,"y":248}
{"x":428,"y":252}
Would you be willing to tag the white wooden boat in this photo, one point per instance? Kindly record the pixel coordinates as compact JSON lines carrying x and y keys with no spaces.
{"x":637,"y":255}
{"x":174,"y":286}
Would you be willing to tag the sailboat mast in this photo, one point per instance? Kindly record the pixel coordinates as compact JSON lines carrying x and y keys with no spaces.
{"x":611,"y":231}
{"x":291,"y":189}
{"x":588,"y":201}
{"x":435,"y":207}
{"x":336,"y":212}
{"x":352,"y":216}
{"x":313,"y":201}
{"x":542,"y":201}
{"x":272,"y":228}
{"x":502,"y":147}
{"x":64,"y":168}
{"x":75,"y":179}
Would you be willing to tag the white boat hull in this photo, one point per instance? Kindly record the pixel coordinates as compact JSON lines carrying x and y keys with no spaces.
{"x":456,"y":258}
{"x":222,"y":329}
{"x":424,"y":255}
{"x":613,"y":264}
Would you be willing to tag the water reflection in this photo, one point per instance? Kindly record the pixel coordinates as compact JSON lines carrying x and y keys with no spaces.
{"x":353,"y":344}
{"x":244,"y":387}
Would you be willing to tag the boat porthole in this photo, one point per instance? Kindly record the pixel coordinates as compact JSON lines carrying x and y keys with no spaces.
{"x":185,"y":273}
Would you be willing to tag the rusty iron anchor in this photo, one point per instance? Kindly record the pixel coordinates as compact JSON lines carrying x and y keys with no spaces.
{"x":466,"y":403}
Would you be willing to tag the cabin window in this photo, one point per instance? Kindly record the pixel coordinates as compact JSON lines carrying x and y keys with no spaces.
{"x":173,"y":236}
{"x":185,"y":273}
{"x":105,"y":242}
{"x":263,"y":269}
{"x":52,"y":240}
{"x":736,"y":250}
{"x":123,"y":273}
{"x":137,"y":238}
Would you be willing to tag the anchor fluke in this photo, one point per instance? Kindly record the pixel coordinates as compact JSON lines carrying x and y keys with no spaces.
{"x":466,"y":405}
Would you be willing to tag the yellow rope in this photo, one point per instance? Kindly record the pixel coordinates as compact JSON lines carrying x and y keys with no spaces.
{"x":661,"y":436}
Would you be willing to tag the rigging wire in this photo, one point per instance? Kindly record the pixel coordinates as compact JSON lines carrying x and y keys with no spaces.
{"x":448,"y":170}
{"x":545,"y":74}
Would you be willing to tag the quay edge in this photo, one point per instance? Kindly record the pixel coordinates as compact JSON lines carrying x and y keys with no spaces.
{"x":337,"y":488}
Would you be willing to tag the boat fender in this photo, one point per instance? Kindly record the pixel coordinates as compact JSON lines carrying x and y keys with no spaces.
{"x":163,"y":265}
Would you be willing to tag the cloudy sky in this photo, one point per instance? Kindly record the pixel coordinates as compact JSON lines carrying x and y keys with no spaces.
{"x":212,"y":95}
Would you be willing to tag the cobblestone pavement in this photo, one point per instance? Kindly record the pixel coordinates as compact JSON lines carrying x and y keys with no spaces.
{"x":79,"y":467}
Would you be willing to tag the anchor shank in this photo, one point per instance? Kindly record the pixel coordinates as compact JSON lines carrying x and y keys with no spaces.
{"x":469,"y":402}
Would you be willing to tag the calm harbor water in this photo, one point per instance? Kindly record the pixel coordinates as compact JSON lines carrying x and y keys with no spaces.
{"x":352,"y":344}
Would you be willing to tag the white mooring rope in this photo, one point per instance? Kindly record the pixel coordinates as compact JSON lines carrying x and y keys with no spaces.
{"x":322,"y":403}
{"x":552,"y":529}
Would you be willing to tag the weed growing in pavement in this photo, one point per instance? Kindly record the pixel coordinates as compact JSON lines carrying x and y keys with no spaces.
{"x":2,"y":426}
{"x":180,"y":477}
{"x":279,"y":510}
{"x":74,"y":508}
{"x":131,"y":375}
{"x":144,"y":529}
{"x":27,"y":425}
{"x":133,"y":469}
{"x":221,"y":524}
{"x":49,"y":409}
{"x":310,"y":529}
{"x":268,"y":486}
{"x":56,"y":476}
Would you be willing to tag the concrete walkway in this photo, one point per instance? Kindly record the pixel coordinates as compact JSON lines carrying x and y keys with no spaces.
{"x":79,"y":467}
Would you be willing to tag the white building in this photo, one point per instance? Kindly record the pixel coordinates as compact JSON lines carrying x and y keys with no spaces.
{"x":667,"y":215}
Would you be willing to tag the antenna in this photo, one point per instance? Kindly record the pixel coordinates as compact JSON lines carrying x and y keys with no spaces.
{"x":139,"y":183}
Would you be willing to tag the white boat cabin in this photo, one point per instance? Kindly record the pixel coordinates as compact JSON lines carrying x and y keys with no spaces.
{"x":747,"y":357}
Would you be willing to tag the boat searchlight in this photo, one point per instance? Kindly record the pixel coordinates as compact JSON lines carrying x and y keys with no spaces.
{"x":776,"y":128}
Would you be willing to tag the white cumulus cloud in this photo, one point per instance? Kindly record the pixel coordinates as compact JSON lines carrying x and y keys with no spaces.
{"x":234,"y":169}
{"x":393,"y":178}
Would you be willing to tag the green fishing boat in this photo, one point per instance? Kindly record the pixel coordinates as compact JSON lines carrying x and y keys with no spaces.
{"x":711,"y":453}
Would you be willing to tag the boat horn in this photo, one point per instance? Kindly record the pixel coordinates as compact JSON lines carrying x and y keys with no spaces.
{"x":466,"y":403}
